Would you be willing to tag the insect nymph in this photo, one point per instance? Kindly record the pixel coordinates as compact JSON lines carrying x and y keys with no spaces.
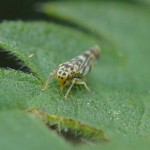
{"x":72,"y":71}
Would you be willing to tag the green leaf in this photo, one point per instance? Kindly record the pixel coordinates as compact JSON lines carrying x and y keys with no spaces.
{"x":24,"y":91}
{"x":64,"y":126}
{"x":21,"y":131}
{"x":119,"y":102}
{"x":16,"y":89}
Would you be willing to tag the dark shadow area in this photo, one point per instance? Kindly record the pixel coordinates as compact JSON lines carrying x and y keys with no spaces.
{"x":68,"y":135}
{"x":18,"y":9}
{"x":75,"y":137}
{"x":25,"y":9}
{"x":10,"y":60}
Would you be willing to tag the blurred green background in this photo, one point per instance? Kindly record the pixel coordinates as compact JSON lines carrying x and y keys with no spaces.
{"x":36,"y":36}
